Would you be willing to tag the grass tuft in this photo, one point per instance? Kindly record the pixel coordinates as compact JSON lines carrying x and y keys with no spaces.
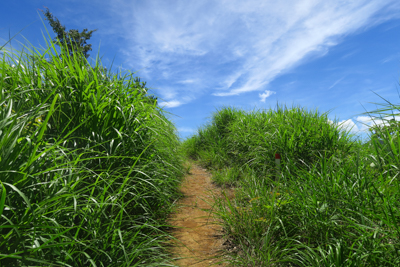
{"x":334,"y":201}
{"x":89,"y":164}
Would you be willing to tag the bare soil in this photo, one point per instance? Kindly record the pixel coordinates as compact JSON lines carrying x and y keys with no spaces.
{"x":199,"y":238}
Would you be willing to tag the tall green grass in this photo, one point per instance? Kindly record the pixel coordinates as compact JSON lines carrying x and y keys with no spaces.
{"x":88,"y":164}
{"x":334,"y":201}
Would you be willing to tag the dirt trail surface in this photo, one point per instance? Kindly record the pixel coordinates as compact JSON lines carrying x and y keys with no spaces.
{"x":199,"y":237}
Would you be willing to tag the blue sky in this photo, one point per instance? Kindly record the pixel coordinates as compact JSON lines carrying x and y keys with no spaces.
{"x":198,"y":56}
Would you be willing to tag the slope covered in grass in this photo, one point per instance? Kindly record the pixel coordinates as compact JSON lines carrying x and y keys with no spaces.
{"x":331,"y":202}
{"x":88,"y":164}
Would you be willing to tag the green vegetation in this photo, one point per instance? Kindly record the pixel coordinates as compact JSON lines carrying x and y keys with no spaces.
{"x":89,"y":164}
{"x":335,"y":201}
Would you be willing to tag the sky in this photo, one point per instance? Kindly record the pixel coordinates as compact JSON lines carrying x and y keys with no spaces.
{"x":200,"y":56}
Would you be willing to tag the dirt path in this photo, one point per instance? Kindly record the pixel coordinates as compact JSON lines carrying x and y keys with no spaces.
{"x":200,"y":238}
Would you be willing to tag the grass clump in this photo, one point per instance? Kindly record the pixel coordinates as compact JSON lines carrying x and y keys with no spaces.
{"x":88,"y":163}
{"x":334,"y":201}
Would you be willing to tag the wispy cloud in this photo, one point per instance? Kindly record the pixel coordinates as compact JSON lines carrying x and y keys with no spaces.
{"x":187,"y":81}
{"x":186,"y":130}
{"x":231,"y":47}
{"x":390,"y":58}
{"x":336,"y":82}
{"x":349,"y":54}
{"x":170,"y":104}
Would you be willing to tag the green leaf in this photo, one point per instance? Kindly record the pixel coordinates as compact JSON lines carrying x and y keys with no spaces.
{"x":3,"y":198}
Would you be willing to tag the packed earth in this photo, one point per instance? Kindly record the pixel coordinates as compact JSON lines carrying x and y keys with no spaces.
{"x":199,"y":238}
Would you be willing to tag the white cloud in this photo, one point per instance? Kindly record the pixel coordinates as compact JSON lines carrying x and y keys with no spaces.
{"x":367,"y":122}
{"x":166,"y":92}
{"x":266,"y":94}
{"x":233,"y":46}
{"x":363,"y":124}
{"x":347,"y":125}
{"x":170,"y":104}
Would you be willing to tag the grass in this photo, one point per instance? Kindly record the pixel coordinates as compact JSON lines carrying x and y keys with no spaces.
{"x":335,"y":201}
{"x":89,"y":164}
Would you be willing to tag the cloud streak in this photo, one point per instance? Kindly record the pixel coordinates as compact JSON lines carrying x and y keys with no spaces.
{"x":336,"y":82}
{"x":227,"y":48}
